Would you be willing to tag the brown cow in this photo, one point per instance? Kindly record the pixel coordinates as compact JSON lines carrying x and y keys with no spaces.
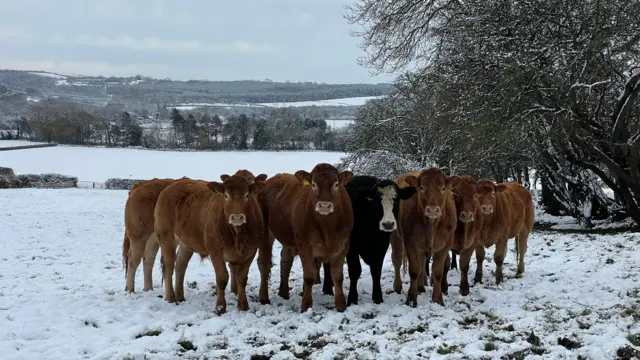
{"x":469,"y":227}
{"x":310,"y":214}
{"x":219,"y":220}
{"x":508,"y":212}
{"x":139,"y":238}
{"x":427,"y":224}
{"x":264,"y":260}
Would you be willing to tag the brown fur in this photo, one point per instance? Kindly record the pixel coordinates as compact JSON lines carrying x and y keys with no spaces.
{"x":291,"y":201}
{"x":138,"y":221}
{"x":468,"y":232}
{"x":512,"y":215}
{"x":423,"y":236}
{"x":198,"y":214}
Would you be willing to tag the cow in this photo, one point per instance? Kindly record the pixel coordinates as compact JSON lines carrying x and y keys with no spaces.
{"x":311,"y":216}
{"x":375,"y":206}
{"x":139,"y":238}
{"x":468,"y":228}
{"x":222,"y":221}
{"x":427,"y":224}
{"x":507,"y":211}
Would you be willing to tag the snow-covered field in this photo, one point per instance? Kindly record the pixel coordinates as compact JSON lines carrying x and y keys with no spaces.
{"x":10,"y":143}
{"x":62,"y":297}
{"x":98,"y":164}
{"x":353,"y":101}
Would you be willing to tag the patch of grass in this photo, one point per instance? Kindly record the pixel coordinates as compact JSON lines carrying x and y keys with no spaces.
{"x":445,"y":350}
{"x":154,"y":332}
{"x":91,"y":323}
{"x":569,"y":344}
{"x":634,"y":339}
{"x":533,"y":339}
{"x":261,"y":356}
{"x":490,"y":346}
{"x":627,"y":353}
{"x":187,"y":345}
{"x":523,"y":354}
{"x":316,"y":341}
{"x":412,"y":330}
{"x":468,"y":321}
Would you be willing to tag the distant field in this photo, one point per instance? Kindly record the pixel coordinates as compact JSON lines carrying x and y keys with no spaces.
{"x":354,"y":101}
{"x":98,"y":164}
{"x":10,"y":143}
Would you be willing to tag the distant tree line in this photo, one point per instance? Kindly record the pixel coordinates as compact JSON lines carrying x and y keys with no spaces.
{"x":75,"y":124}
{"x":507,"y":87}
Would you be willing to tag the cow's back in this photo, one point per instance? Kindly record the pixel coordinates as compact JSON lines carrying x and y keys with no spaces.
{"x":525,"y":201}
{"x":140,"y":205}
{"x":281,"y":193}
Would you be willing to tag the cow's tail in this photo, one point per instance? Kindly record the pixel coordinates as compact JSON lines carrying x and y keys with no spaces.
{"x":126,"y":243}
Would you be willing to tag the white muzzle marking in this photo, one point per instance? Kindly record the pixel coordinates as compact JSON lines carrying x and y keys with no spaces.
{"x":387,"y":197}
{"x":324,"y":207}
{"x":237,"y":219}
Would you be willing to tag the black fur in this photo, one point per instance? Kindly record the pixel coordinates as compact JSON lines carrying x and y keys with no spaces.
{"x":367,"y":241}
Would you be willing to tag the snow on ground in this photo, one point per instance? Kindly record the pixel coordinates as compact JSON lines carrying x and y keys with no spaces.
{"x":62,"y":297}
{"x":353,"y":101}
{"x":10,"y":143}
{"x":98,"y":164}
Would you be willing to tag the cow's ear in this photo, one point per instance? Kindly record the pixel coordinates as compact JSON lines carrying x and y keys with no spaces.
{"x":257,"y":187}
{"x":406,"y":193}
{"x":501,"y":188}
{"x":344,"y":177}
{"x":411,"y":180}
{"x":224,"y":177}
{"x":260,"y":178}
{"x":303,"y":176}
{"x":216,"y":187}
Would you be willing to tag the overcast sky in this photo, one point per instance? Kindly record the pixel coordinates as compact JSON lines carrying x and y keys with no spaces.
{"x":296,"y":40}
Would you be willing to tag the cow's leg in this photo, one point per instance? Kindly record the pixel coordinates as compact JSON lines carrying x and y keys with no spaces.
{"x":397,"y":250}
{"x":287,"y":255}
{"x":465,"y":259}
{"x":437,"y":271}
{"x":265,"y":253}
{"x":444,"y":284}
{"x":522,"y":242}
{"x":182,"y":261}
{"x":355,"y":269}
{"x":149,"y":259}
{"x":168,"y":250}
{"x":309,"y":270}
{"x":454,"y":265}
{"x":479,"y":262}
{"x":376,"y":274}
{"x":337,"y":275}
{"x":327,"y":286}
{"x":424,"y":276}
{"x":222,"y":278}
{"x":232,"y":280}
{"x":318,"y":280}
{"x":242,"y":271}
{"x":416,"y":266}
{"x":498,"y":258}
{"x":136,"y":251}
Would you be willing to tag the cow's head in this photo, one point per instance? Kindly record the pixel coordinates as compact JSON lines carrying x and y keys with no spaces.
{"x":383,"y":200}
{"x":236,"y":191}
{"x":487,"y":190}
{"x":325,"y":182}
{"x":432,"y":185}
{"x":465,"y":194}
{"x":247,"y":175}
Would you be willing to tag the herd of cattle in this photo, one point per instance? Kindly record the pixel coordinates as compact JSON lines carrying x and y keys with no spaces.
{"x":323,"y":217}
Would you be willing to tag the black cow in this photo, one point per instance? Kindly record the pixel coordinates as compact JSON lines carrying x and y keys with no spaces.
{"x":375,"y":206}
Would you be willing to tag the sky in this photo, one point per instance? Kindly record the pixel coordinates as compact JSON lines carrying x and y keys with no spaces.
{"x":294,"y":40}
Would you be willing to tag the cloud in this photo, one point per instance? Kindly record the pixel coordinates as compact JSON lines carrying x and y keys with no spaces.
{"x":156,"y":44}
{"x":10,"y":33}
{"x":85,"y":68}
